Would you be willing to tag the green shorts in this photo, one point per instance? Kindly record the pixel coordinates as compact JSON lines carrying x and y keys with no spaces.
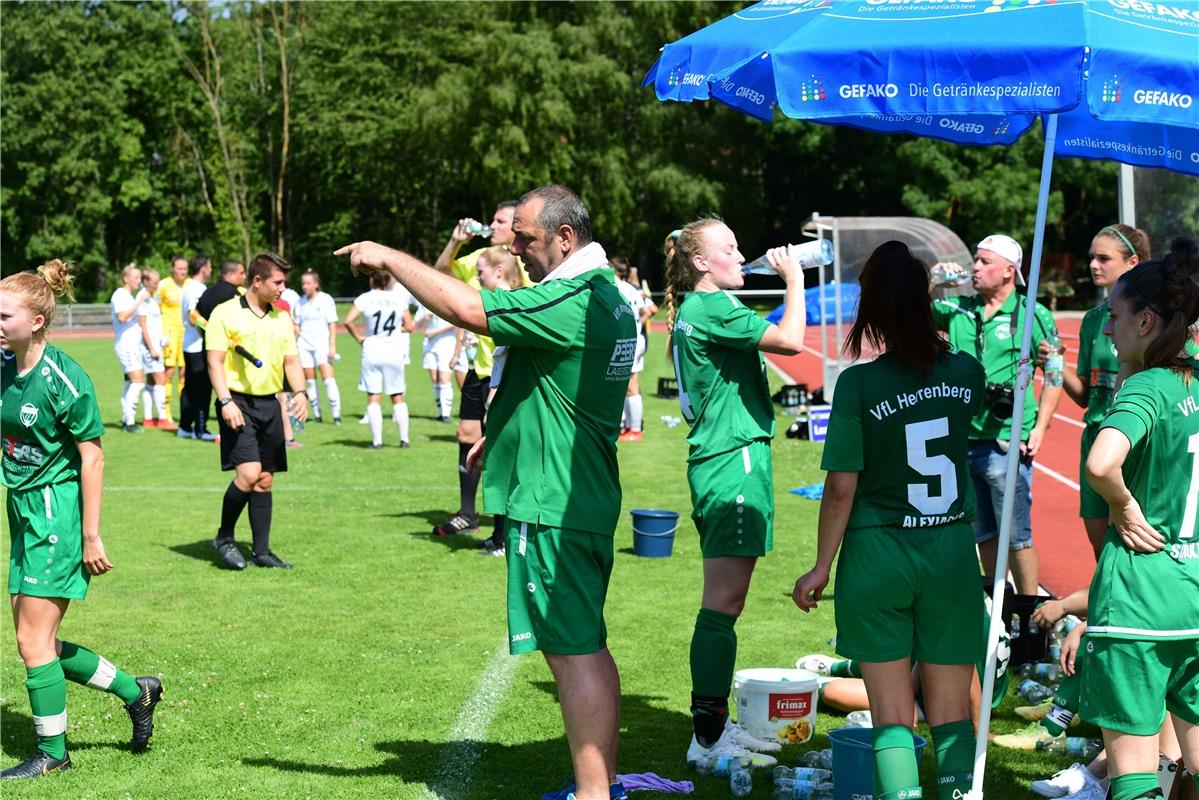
{"x":732,"y":501}
{"x":557,"y":584}
{"x":1129,"y":684}
{"x":1091,"y":504}
{"x":46,"y":554}
{"x":904,"y":593}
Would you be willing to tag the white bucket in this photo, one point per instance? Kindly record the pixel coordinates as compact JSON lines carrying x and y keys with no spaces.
{"x":777,"y":704}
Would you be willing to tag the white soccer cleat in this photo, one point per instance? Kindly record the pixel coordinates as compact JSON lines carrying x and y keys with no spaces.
{"x":1070,"y":781}
{"x":725,"y":746}
{"x":744,"y":738}
{"x":817,"y":662}
{"x":1093,"y":791}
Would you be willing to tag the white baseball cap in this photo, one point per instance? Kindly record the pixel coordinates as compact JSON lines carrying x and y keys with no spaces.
{"x":1005,"y":247}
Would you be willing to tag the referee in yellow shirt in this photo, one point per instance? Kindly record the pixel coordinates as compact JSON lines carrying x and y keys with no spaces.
{"x":241,"y":332}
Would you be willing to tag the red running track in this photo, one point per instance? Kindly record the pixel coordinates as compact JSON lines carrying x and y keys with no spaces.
{"x":1067,"y":561}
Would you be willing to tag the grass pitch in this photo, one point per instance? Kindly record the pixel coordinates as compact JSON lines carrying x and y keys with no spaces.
{"x":377,"y":667}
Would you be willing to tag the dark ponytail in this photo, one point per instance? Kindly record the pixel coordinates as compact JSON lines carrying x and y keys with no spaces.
{"x":895,"y":310}
{"x":1167,"y":287}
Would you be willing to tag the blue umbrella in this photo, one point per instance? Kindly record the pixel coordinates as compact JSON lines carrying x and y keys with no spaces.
{"x":1118,"y":76}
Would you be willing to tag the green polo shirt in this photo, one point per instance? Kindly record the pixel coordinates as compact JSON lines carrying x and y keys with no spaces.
{"x":995,"y":341}
{"x":552,"y":428}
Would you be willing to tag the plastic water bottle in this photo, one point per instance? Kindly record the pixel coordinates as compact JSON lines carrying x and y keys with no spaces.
{"x":810,"y":774}
{"x":816,"y":253}
{"x":1034,"y":692}
{"x":1055,"y":362}
{"x":949,"y":274}
{"x":670,"y":421}
{"x":1046,"y":672}
{"x":820,"y":759}
{"x":1014,"y":628}
{"x":859,"y":719}
{"x":803,"y":790}
{"x":741,"y":782}
{"x":721,"y":766}
{"x":478,"y":229}
{"x":1076,"y":746}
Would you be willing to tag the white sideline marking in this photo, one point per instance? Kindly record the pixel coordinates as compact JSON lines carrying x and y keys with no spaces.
{"x":1056,"y":475}
{"x":453,"y":775}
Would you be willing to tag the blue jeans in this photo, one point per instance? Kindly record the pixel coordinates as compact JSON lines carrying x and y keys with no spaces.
{"x":988,"y":470}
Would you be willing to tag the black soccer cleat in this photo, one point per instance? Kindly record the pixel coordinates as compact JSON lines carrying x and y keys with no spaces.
{"x":269,"y":559}
{"x":230,"y":555}
{"x":37,"y":765}
{"x":458,"y":523}
{"x":141,"y":712}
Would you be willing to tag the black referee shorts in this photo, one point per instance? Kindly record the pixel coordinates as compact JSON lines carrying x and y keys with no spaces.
{"x":474,"y":397}
{"x":260,"y":439}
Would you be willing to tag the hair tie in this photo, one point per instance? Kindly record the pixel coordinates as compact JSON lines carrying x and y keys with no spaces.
{"x":676,"y":233}
{"x":1132,"y":251}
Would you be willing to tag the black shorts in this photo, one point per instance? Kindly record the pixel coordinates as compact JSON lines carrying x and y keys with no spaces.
{"x":260,"y":439}
{"x":474,"y":397}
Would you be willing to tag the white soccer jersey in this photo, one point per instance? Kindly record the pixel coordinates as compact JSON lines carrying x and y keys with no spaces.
{"x":193,"y":342}
{"x":382,"y":321}
{"x":128,"y":333}
{"x":633,"y":297}
{"x":314,"y":318}
{"x":152,"y":311}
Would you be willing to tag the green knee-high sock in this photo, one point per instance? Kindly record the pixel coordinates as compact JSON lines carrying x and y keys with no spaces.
{"x":1065,"y":702}
{"x":48,"y":700}
{"x":713,"y":658}
{"x":953,"y":743}
{"x":81,"y":665}
{"x":845,"y":669}
{"x":713,"y":653}
{"x":1135,"y":786}
{"x":895,"y":764}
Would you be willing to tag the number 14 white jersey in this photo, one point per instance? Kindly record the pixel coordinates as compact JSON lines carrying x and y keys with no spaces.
{"x":382,"y":320}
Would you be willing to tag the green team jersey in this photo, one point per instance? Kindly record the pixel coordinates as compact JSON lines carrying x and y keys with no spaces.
{"x":1097,"y":365}
{"x":43,"y":414}
{"x":552,"y":428}
{"x":885,"y":408}
{"x":723,"y":391}
{"x":996,"y":343}
{"x":1154,"y":595}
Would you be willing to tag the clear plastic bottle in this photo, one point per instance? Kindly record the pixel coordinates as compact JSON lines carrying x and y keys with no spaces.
{"x":859,"y":719}
{"x":821,"y":759}
{"x":789,"y":789}
{"x":812,"y":774}
{"x":1034,"y":692}
{"x":1077,"y":747}
{"x":1046,"y":672}
{"x":816,"y":253}
{"x":716,"y":765}
{"x":741,"y":782}
{"x":479,"y":229}
{"x":1055,"y":362}
{"x":949,"y":274}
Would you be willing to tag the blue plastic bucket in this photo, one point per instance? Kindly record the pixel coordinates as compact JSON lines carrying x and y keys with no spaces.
{"x":853,"y":762}
{"x":653,"y":532}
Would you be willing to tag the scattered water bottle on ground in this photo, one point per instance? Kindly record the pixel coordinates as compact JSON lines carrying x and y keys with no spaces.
{"x":1055,"y":362}
{"x":1034,"y":692}
{"x":478,"y":229}
{"x":812,"y":774}
{"x":1046,"y":672}
{"x":788,"y":789}
{"x":859,"y":719}
{"x":1077,"y":747}
{"x":720,"y":766}
{"x":949,"y":274}
{"x":670,"y":421}
{"x":820,"y":759}
{"x":741,"y":782}
{"x":817,"y":253}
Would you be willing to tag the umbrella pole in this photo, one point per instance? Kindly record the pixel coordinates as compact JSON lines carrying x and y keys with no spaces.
{"x":1023,"y":379}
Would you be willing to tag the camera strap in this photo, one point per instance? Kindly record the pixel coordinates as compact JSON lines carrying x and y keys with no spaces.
{"x":1013,"y":329}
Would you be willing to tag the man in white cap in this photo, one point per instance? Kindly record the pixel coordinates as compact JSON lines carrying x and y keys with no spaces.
{"x":990,"y":326}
